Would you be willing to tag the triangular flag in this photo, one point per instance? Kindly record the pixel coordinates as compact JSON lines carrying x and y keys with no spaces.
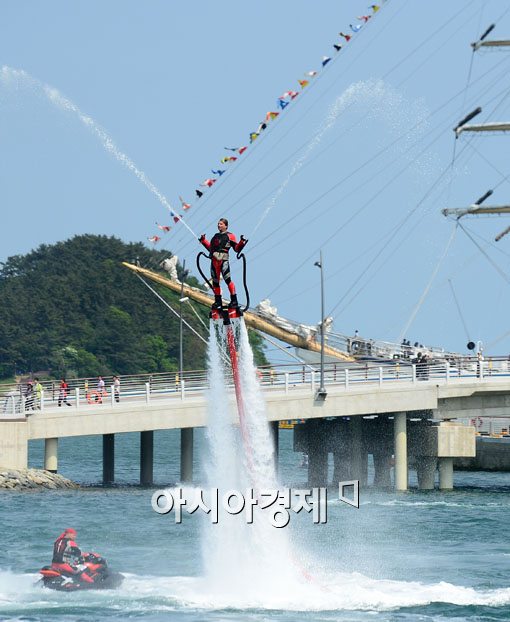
{"x":154,"y":239}
{"x":325,"y":60}
{"x":164,"y":228}
{"x":184,"y":205}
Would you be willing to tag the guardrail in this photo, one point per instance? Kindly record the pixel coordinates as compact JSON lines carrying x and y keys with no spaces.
{"x":18,"y":400}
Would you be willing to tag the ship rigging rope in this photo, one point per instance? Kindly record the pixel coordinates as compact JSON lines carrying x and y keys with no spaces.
{"x":492,"y":263}
{"x":171,"y":308}
{"x":366,"y":163}
{"x":427,"y":40}
{"x":494,"y":82}
{"x":459,"y":309}
{"x":439,"y":135}
{"x":424,"y":295}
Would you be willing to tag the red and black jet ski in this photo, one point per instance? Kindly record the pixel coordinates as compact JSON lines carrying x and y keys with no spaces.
{"x":96,"y":567}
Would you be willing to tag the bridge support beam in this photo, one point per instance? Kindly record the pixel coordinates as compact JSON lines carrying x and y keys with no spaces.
{"x":146,"y":458}
{"x":108,"y":458}
{"x":317,"y":453}
{"x":51,"y":454}
{"x":186,"y":455}
{"x":341,"y":451}
{"x":446,"y":473}
{"x":426,"y":471}
{"x":400,"y":436}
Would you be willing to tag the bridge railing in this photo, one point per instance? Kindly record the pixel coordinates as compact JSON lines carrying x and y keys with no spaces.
{"x":15,"y":400}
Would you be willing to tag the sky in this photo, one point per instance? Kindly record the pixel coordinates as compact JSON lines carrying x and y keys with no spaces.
{"x":359,"y":165}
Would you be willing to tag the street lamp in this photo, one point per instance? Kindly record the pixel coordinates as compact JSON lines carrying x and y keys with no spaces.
{"x":181,"y":300}
{"x":321,"y":393}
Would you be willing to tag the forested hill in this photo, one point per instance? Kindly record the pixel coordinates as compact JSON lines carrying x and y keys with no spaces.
{"x":73,"y":309}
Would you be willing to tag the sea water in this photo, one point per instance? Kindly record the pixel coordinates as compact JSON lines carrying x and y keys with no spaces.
{"x":414,"y":557}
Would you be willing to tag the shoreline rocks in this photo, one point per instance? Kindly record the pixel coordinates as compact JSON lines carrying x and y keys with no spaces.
{"x":33,"y":479}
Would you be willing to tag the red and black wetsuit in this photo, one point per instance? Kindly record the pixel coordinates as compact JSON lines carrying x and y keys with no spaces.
{"x":66,"y":557}
{"x":218,"y":247}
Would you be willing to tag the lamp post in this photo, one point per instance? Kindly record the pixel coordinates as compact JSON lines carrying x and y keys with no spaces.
{"x":181,"y":364}
{"x":321,"y":393}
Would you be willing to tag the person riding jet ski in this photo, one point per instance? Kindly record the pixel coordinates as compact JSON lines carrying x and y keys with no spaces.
{"x":67,"y":557}
{"x":218,"y":247}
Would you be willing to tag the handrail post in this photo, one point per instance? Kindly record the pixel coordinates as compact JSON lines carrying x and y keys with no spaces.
{"x":23,"y":404}
{"x":286,"y":382}
{"x":481,"y":370}
{"x":41,"y":405}
{"x":414,"y":373}
{"x":112,"y":390}
{"x":182,"y":389}
{"x":312,"y":376}
{"x":147,"y":392}
{"x":77,"y":393}
{"x":346,"y":378}
{"x":447,"y":372}
{"x":380,"y":376}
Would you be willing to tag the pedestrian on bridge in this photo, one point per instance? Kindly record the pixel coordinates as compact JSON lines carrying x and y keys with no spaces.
{"x":63,"y":392}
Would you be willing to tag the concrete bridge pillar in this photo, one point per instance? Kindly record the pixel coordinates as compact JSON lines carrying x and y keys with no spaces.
{"x":317,"y":453}
{"x":108,"y":458}
{"x":186,"y":454}
{"x":382,"y":467}
{"x":400,"y":435}
{"x":275,"y":432}
{"x":359,"y":455}
{"x":426,"y":471}
{"x":146,"y":458}
{"x":341,"y":451}
{"x":51,"y":454}
{"x":446,"y":473}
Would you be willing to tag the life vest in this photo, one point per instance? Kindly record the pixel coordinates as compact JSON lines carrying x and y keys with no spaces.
{"x":65,"y":551}
{"x":222,"y":242}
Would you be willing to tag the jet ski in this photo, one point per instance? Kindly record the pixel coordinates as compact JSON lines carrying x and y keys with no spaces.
{"x":94,"y":565}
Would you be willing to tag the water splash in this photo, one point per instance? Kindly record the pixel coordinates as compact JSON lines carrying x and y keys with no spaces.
{"x":234,"y":551}
{"x":17,"y":78}
{"x":380,"y":101}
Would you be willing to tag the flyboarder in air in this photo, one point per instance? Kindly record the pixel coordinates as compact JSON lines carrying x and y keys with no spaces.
{"x":218,"y":248}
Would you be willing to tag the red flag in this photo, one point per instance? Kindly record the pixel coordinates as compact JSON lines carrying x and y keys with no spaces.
{"x":184,"y":205}
{"x":154,"y":239}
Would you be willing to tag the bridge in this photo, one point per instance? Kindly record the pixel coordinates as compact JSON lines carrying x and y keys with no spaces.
{"x":401,"y":413}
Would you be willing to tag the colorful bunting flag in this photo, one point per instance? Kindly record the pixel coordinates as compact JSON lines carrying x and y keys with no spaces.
{"x":184,"y":205}
{"x":208,"y":182}
{"x":154,"y":239}
{"x":282,"y":103}
{"x":164,"y":228}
